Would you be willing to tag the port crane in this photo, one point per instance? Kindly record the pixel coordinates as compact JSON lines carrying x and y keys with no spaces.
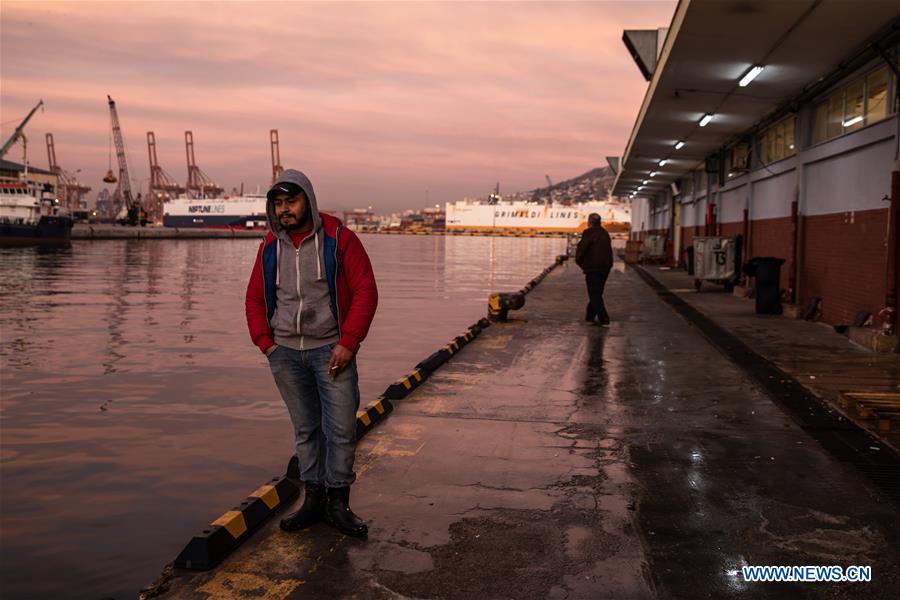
{"x":163,"y":186}
{"x":199,"y":184}
{"x":135,"y":213}
{"x":70,"y":190}
{"x":277,"y":169}
{"x":19,"y":132}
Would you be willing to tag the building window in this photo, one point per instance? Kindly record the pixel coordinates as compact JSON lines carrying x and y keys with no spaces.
{"x":859,"y":103}
{"x":777,"y":141}
{"x":876,"y":95}
{"x":738,"y":159}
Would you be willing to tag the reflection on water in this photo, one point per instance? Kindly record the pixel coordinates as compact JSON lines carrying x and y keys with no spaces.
{"x":134,"y":407}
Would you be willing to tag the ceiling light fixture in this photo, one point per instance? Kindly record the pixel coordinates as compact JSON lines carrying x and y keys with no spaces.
{"x":750,"y":75}
{"x":653,"y":173}
{"x":704,"y":121}
{"x":679,"y":145}
{"x":663,"y":162}
{"x":853,"y":121}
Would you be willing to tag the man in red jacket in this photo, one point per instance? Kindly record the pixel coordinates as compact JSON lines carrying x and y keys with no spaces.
{"x":310,"y":301}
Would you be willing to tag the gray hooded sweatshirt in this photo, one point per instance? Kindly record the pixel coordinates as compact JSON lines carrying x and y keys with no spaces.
{"x":303,"y":318}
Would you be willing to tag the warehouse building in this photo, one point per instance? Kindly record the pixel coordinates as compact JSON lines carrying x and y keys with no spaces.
{"x":776,"y":121}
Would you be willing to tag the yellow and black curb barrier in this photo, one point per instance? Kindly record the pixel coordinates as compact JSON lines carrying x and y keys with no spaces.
{"x":560,"y":259}
{"x":499,"y":304}
{"x":223,"y":535}
{"x":402,"y":388}
{"x":371,"y":415}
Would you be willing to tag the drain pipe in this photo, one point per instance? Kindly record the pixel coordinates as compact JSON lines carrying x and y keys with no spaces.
{"x":893,"y":247}
{"x":795,"y":239}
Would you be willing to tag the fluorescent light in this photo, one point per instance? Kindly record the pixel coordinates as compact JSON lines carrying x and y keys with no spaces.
{"x":705,"y":120}
{"x":679,"y":145}
{"x":750,"y":75}
{"x":646,"y":181}
{"x":663,"y":162}
{"x":640,"y":188}
{"x":653,"y":173}
{"x":853,"y":121}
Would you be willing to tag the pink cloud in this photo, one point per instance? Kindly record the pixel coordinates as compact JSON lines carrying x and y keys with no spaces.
{"x":376,"y":101}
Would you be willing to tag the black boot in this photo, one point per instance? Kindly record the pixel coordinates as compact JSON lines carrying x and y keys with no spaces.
{"x":312,"y":510}
{"x":338,"y":513}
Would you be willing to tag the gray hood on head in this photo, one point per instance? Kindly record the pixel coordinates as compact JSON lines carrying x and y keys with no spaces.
{"x":297,"y":178}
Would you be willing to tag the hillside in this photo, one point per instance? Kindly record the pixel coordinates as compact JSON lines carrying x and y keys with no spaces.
{"x":593,"y":185}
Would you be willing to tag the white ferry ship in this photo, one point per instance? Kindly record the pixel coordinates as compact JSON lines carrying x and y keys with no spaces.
{"x":244,"y":212}
{"x":534,"y":218}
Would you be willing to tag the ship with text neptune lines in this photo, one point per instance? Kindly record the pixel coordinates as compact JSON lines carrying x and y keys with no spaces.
{"x":239,"y":212}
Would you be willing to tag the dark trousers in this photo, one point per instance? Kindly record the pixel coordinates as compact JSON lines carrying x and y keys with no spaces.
{"x":596,"y":281}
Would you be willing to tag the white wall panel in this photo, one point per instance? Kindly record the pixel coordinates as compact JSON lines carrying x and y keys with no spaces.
{"x":772,"y":197}
{"x":856,"y":180}
{"x":731,"y":205}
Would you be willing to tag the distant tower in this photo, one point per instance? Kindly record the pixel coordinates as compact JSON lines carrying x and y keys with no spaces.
{"x":277,"y":169}
{"x":199,"y":184}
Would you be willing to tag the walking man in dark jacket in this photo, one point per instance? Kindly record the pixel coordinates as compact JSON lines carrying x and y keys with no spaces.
{"x":594,"y":256}
{"x":310,"y":301}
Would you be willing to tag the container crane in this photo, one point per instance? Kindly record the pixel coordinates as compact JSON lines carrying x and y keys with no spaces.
{"x":277,"y":169}
{"x":135,"y":214}
{"x":70,"y":190}
{"x":162,"y":186}
{"x":19,"y":132}
{"x":199,"y":184}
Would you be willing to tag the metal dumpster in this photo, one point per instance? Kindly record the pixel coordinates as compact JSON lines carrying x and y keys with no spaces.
{"x":654,"y":248}
{"x":716,"y":259}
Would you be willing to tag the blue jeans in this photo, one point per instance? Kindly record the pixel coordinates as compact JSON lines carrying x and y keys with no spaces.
{"x":323,"y":412}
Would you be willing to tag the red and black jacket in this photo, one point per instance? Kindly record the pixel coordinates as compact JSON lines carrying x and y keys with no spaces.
{"x":351,"y":285}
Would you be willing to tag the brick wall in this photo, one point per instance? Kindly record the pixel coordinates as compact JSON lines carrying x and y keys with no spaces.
{"x":772,"y":237}
{"x":845,"y":256}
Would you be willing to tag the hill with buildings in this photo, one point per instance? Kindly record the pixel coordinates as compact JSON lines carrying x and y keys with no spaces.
{"x":593,"y":185}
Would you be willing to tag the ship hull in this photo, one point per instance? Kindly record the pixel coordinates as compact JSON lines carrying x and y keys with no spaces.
{"x":534,"y":218}
{"x":215,"y":222}
{"x":49,"y":231}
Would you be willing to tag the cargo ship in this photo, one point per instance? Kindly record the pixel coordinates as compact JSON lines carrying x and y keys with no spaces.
{"x":242,"y":212}
{"x":528,"y":217}
{"x":28,"y":215}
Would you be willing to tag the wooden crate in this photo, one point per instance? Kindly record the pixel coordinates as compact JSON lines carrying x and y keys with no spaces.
{"x":881,"y":407}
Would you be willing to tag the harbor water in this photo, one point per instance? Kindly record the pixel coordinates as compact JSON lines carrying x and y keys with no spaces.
{"x":135,"y":408}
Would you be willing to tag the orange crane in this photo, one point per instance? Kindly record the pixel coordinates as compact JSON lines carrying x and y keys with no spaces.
{"x":199,"y":184}
{"x":71,"y":192}
{"x":162,"y":186}
{"x":277,"y":169}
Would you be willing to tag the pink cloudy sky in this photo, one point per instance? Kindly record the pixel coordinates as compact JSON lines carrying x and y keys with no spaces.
{"x":378,"y":102}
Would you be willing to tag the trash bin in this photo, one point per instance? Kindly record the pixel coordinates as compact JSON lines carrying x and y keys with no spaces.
{"x":767,"y":272}
{"x":689,"y":251}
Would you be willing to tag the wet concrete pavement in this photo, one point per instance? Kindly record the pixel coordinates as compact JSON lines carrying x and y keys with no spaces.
{"x":555,"y":459}
{"x":823,"y":361}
